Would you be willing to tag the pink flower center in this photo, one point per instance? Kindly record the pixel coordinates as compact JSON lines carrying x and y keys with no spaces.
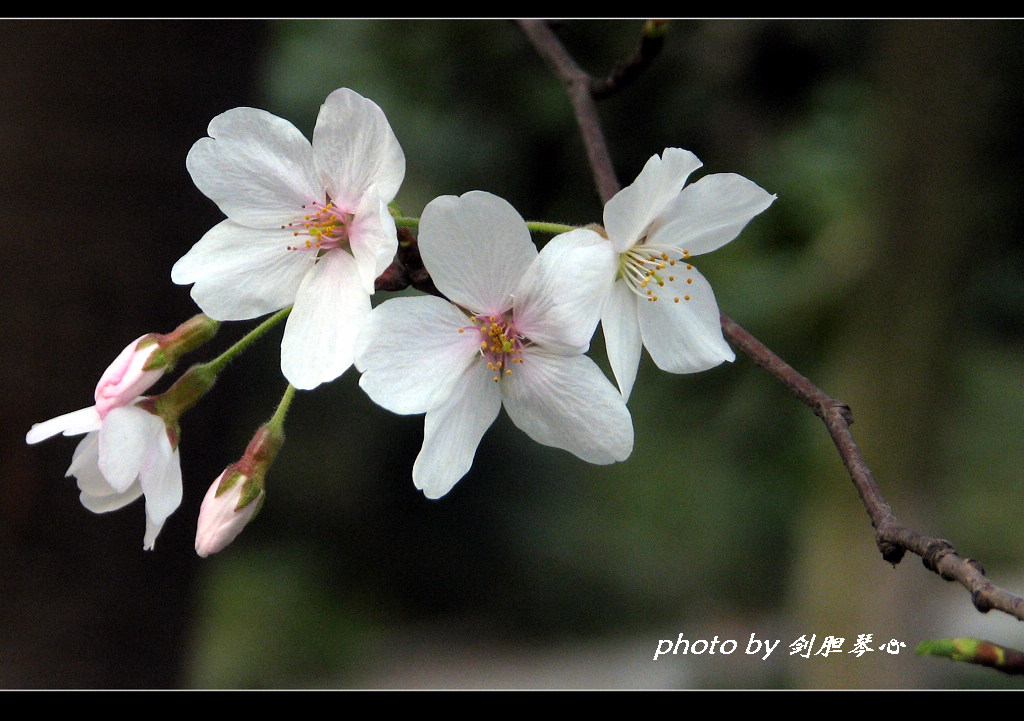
{"x":500,"y":344}
{"x":326,"y":227}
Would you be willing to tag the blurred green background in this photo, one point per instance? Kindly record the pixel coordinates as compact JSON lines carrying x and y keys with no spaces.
{"x":890,"y":271}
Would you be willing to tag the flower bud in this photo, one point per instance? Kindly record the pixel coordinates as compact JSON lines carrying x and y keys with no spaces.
{"x":229,"y":505}
{"x":237,"y":494}
{"x":145,"y":360}
{"x":133,"y":371}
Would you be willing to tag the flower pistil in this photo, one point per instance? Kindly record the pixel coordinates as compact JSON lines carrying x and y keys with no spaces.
{"x":500,"y":343}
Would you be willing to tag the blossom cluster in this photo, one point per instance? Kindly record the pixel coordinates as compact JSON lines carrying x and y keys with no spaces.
{"x":309,"y":229}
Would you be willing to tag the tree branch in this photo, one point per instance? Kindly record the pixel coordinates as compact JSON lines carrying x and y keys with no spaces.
{"x":652,"y":39}
{"x":892,"y":538}
{"x":578,"y":86}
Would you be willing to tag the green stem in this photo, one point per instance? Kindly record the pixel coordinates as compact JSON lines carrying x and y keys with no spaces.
{"x":276,"y":423}
{"x":199,"y":379}
{"x":535,"y":226}
{"x":540,"y":226}
{"x":217,"y":364}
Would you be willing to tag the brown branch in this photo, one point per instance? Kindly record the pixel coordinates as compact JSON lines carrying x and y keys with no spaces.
{"x":577,"y":85}
{"x":652,"y":39}
{"x":892,"y":538}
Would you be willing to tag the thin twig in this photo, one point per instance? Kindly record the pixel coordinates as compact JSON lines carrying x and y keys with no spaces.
{"x":577,"y":85}
{"x":652,"y":39}
{"x":892,"y":538}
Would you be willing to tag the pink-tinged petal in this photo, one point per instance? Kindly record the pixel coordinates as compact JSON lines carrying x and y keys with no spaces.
{"x":709,"y":213}
{"x":258,"y":168}
{"x":355,"y":148}
{"x":126,"y":379}
{"x":83,"y":420}
{"x":241,"y":273}
{"x":125,"y":441}
{"x":220,"y":520}
{"x":452,"y":431}
{"x":627,"y":215}
{"x":558,"y":302}
{"x":685,"y":337}
{"x":566,"y":402}
{"x":622,"y":339}
{"x":373,"y":239}
{"x":476,"y":248}
{"x":411,"y":353}
{"x":330,"y":308}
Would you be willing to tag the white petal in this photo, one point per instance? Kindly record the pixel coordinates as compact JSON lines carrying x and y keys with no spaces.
{"x":152,"y":531}
{"x":452,"y":431}
{"x":125,"y":442}
{"x":566,"y":402}
{"x":96,"y":493}
{"x":330,"y":307}
{"x":558,"y":302}
{"x":633,"y":208}
{"x":161,"y":481}
{"x":257,"y":167}
{"x":411,"y":353}
{"x":622,"y":339}
{"x":476,"y":248}
{"x":242,"y":273}
{"x":83,"y":420}
{"x":684,"y":337}
{"x":709,"y":213}
{"x":355,"y":148}
{"x":85,"y":464}
{"x":110,"y":502}
{"x":373,"y":239}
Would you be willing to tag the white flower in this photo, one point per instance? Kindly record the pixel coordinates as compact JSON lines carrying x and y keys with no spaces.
{"x":133,"y":453}
{"x":659,"y":300}
{"x":513,"y":334}
{"x":307,"y":225}
{"x":128,"y":453}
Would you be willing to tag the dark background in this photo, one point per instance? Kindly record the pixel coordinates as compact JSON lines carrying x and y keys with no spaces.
{"x":889,"y":271}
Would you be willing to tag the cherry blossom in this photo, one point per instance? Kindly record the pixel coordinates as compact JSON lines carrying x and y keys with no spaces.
{"x":130,"y":448}
{"x":307,"y":225}
{"x":659,"y":300}
{"x":127,"y":453}
{"x":511,"y":331}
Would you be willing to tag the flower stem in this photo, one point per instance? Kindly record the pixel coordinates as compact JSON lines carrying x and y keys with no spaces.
{"x":540,"y":226}
{"x":217,"y":364}
{"x":535,"y":226}
{"x":277,"y":421}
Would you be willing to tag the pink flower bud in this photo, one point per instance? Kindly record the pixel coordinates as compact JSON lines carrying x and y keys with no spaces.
{"x":226,"y":511}
{"x":130,"y":374}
